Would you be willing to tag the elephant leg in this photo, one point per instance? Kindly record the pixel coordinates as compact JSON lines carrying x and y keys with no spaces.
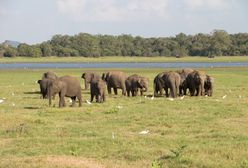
{"x":73,"y":101}
{"x":141,"y":92}
{"x":91,"y":97}
{"x":197,"y":91}
{"x":99,"y":98}
{"x":184,"y":90}
{"x":115,"y":91}
{"x":172,"y":92}
{"x":192,"y":91}
{"x":61,"y":100}
{"x":124,"y":92}
{"x":202,"y":89}
{"x":166,"y":92}
{"x":180,"y":90}
{"x":128,"y":93}
{"x":103,"y":97}
{"x":132,"y":91}
{"x":135,"y":92}
{"x":161,"y":92}
{"x":44,"y":95}
{"x":109,"y":89}
{"x":79,"y":97}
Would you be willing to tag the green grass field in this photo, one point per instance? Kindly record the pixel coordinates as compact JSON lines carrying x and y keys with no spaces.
{"x":192,"y":132}
{"x":125,"y":59}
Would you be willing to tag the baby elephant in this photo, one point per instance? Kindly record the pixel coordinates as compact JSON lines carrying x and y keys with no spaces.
{"x":209,"y":85}
{"x":97,"y":89}
{"x":135,"y":82}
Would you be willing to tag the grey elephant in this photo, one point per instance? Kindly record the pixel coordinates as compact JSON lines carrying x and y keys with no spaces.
{"x":49,"y":75}
{"x":158,"y":84}
{"x":44,"y":83}
{"x":135,"y":82}
{"x":65,"y":86}
{"x":183,"y":84}
{"x":115,"y":80}
{"x":88,"y":77}
{"x":97,"y":89}
{"x":209,"y":85}
{"x":172,"y":82}
{"x":195,"y":82}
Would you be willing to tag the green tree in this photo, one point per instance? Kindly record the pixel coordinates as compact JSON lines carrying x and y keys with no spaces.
{"x":10,"y":52}
{"x":220,"y":43}
{"x":46,"y":49}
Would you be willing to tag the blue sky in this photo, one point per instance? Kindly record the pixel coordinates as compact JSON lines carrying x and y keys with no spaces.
{"x":34,"y":21}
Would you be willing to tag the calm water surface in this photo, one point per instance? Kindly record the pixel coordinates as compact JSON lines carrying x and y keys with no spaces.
{"x":122,"y":65}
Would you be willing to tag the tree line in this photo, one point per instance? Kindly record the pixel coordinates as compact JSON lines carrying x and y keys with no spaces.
{"x":216,"y":43}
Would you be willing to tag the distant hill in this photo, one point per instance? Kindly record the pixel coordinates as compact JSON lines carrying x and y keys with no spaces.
{"x":11,"y":43}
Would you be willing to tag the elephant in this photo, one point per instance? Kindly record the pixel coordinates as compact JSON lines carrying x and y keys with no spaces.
{"x":97,"y":89}
{"x":143,"y":84}
{"x":209,"y":85}
{"x":158,"y":84}
{"x":44,"y":83}
{"x":195,"y":82}
{"x":115,"y":80}
{"x":66,"y":86}
{"x":49,"y":75}
{"x":88,"y":77}
{"x":135,"y":82}
{"x":183,"y":84}
{"x":172,"y":82}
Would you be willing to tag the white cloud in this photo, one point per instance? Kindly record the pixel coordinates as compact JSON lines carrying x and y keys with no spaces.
{"x":113,"y":10}
{"x":208,"y":4}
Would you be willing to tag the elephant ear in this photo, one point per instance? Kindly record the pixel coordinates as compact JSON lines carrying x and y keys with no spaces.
{"x":83,"y":76}
{"x":139,"y":82}
{"x":103,"y":76}
{"x":211,"y":79}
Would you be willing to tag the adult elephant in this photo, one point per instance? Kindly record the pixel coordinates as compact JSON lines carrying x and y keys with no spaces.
{"x":209,"y":85}
{"x":195,"y":82}
{"x":183,"y":84}
{"x":158,"y":84}
{"x":65,"y":86}
{"x":135,"y":82}
{"x":89,"y":77}
{"x":97,"y":89}
{"x":115,"y":80}
{"x":49,"y":75}
{"x":172,"y":82}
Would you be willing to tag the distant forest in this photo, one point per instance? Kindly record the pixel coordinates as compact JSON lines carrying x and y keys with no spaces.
{"x":217,"y":43}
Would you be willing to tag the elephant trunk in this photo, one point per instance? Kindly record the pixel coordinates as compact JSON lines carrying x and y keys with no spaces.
{"x":86,"y":84}
{"x":144,"y":89}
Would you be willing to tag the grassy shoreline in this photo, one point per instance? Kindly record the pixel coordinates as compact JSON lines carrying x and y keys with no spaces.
{"x":125,"y":59}
{"x":193,"y":132}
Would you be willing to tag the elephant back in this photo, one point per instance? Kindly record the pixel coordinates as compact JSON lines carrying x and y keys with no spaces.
{"x":116,"y":78}
{"x":172,"y":77}
{"x":49,"y":75}
{"x":71,"y":83}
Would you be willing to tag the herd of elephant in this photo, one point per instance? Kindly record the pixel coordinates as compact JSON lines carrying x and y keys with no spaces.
{"x":177,"y":82}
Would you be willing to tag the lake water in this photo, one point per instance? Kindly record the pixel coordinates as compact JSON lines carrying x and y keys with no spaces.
{"x":122,"y":65}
